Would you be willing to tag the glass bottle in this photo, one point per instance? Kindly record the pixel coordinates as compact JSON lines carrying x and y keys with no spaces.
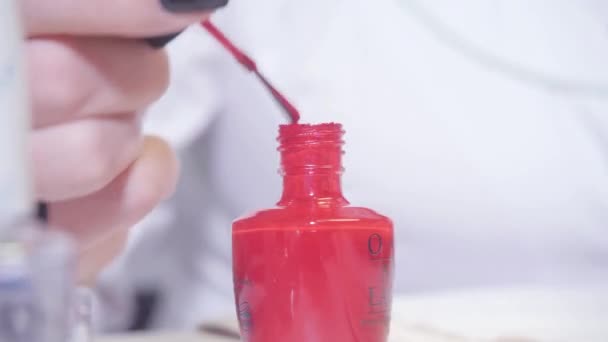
{"x":313,"y":269}
{"x":37,"y":264}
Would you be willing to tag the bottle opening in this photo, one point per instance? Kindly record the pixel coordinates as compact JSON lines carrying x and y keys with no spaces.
{"x":311,"y":132}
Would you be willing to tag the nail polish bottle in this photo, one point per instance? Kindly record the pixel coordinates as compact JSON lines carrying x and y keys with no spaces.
{"x":315,"y":268}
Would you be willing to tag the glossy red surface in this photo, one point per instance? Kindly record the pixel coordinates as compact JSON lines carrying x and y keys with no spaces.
{"x":314,"y":269}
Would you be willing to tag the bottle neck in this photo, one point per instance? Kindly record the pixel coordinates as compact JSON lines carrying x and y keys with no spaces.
{"x":311,"y":164}
{"x":317,"y":189}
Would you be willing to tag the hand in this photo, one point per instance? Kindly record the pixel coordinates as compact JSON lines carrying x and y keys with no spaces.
{"x":91,"y":75}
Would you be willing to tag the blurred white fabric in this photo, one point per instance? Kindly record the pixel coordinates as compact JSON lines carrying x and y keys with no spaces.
{"x":525,"y":313}
{"x":480,"y":127}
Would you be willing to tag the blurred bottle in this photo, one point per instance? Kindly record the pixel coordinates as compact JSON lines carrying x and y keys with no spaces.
{"x":315,"y":268}
{"x":36,"y":284}
{"x":36,"y":263}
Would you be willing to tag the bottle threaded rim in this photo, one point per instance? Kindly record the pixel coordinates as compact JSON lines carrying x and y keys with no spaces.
{"x":311,"y":148}
{"x":293,"y":135}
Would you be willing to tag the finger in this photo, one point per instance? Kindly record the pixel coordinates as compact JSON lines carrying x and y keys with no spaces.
{"x":125,"y":201}
{"x":76,"y":77}
{"x":92,"y":260}
{"x":128,"y":18}
{"x":83,"y":156}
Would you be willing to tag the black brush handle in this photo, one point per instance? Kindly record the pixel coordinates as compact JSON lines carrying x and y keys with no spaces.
{"x":161,"y":41}
{"x":184,"y":6}
{"x":42,"y":212}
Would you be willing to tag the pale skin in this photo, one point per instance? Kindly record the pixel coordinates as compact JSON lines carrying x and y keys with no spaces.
{"x":91,"y":75}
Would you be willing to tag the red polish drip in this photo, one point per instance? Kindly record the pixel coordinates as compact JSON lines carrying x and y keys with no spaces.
{"x":313,"y":268}
{"x":250,"y":65}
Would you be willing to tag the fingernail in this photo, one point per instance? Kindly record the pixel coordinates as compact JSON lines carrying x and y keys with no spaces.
{"x":160,"y":42}
{"x":192,"y":5}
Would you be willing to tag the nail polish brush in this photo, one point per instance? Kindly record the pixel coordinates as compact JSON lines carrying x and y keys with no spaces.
{"x":249,"y":64}
{"x":242,"y":58}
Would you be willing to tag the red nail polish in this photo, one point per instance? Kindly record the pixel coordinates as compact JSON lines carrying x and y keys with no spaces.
{"x":313,"y":269}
